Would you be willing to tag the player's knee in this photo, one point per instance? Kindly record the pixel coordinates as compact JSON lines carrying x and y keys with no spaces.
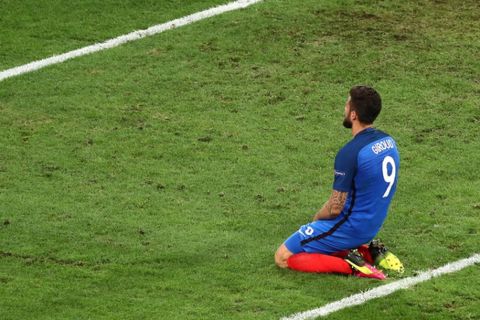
{"x":280,"y":259}
{"x":281,"y":263}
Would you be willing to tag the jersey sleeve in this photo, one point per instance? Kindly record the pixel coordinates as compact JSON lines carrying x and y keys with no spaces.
{"x":344,"y":169}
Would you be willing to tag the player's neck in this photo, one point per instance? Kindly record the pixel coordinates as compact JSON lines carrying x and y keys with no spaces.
{"x":358,"y":127}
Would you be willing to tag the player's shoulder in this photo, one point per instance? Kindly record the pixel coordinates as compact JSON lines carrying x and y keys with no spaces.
{"x":379,"y":144}
{"x":366,"y":138}
{"x":361,"y":139}
{"x":379,"y":134}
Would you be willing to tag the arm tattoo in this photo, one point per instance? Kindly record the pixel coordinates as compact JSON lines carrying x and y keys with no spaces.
{"x":337,"y":202}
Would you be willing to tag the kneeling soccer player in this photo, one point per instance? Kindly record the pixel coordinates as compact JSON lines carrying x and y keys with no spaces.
{"x":365,"y":179}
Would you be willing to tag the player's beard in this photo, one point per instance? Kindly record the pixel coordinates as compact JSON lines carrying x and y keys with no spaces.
{"x":347,"y":123}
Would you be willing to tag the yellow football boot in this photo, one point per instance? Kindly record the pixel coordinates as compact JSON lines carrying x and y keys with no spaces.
{"x":384,"y":258}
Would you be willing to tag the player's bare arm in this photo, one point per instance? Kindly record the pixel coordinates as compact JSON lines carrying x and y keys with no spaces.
{"x":333,"y":206}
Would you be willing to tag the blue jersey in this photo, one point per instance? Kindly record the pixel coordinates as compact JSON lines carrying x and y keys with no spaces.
{"x":367,"y":168}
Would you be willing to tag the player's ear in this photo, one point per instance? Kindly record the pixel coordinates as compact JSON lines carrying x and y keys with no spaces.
{"x":353,"y":115}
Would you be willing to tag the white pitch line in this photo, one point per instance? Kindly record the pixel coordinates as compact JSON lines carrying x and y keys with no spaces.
{"x":384,"y":290}
{"x":132,"y":36}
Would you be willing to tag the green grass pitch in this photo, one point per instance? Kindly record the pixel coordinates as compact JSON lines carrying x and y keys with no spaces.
{"x":155,"y":180}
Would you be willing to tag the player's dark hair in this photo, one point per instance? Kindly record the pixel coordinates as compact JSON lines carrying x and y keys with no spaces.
{"x":366,"y":102}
